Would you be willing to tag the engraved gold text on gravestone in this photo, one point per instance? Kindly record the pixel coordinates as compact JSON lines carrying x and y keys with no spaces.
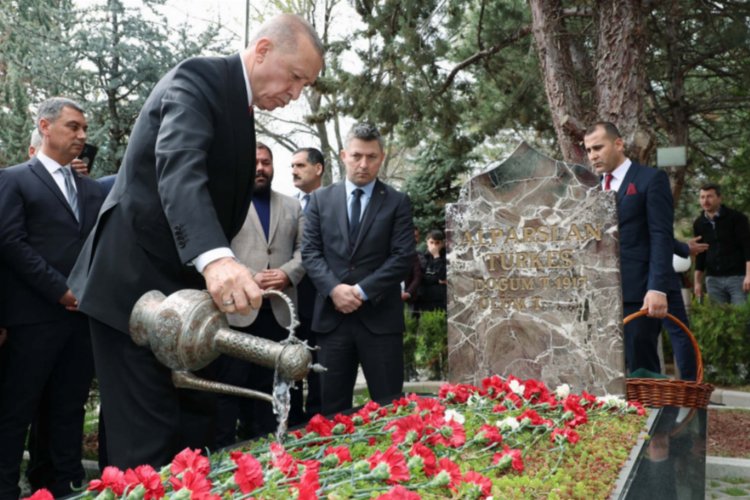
{"x":529,"y":261}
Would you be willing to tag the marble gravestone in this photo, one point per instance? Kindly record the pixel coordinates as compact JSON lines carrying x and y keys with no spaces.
{"x":534,"y":277}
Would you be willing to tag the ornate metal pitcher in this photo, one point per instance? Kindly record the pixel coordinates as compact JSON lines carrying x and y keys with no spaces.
{"x":186,"y":331}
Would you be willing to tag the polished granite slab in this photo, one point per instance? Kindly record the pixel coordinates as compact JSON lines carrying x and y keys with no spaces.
{"x":534,"y":276}
{"x":670,"y":462}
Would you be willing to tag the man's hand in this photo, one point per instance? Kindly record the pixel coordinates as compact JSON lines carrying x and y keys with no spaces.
{"x":405,"y":296}
{"x":695,"y":247}
{"x":79,"y":166}
{"x":232,"y":287}
{"x":656,"y":304}
{"x":272,"y":279}
{"x":346,"y":298}
{"x":698,"y":289}
{"x":69,"y":301}
{"x":746,"y":284}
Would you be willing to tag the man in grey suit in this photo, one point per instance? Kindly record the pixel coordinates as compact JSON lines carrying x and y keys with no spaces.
{"x":182,"y":194}
{"x":358,"y":247}
{"x":269,"y":245}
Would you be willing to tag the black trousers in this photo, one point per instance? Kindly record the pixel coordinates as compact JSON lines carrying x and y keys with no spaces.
{"x":258,"y":417}
{"x":341,"y":352}
{"x":148,"y":420}
{"x":47,"y":370}
{"x":641,"y":340}
{"x":312,"y":401}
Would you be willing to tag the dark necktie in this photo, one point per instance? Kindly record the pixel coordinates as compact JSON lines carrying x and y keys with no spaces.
{"x":306,"y":199}
{"x":71,"y":191}
{"x":356,"y":212}
{"x":608,"y":181}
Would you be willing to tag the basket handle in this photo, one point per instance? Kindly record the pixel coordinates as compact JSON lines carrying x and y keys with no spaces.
{"x":696,"y":348}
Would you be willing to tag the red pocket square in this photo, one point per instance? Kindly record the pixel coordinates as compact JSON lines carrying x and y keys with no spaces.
{"x":631,"y":189}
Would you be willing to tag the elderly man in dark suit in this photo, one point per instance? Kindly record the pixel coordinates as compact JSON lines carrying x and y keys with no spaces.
{"x":645,"y":219}
{"x":358,"y":247}
{"x":181,"y":195}
{"x":48,"y":210}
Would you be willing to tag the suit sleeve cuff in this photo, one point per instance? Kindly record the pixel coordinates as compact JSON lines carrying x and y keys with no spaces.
{"x":204,"y":259}
{"x":659,"y":292}
{"x":361,"y":292}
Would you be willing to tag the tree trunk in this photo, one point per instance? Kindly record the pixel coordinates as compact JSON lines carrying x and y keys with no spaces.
{"x":621,"y":73}
{"x":557,"y":66}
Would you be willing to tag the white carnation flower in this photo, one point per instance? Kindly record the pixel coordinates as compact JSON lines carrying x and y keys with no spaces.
{"x":508,"y":423}
{"x":562,"y":391}
{"x":516,"y":387}
{"x":454,"y":415}
{"x":612,"y":401}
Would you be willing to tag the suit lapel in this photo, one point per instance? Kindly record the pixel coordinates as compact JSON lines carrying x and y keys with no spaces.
{"x":629,"y":177}
{"x":252,"y":216}
{"x":41,"y":172}
{"x":274,"y":219}
{"x":342,"y":216}
{"x":244,"y":140}
{"x":376,"y":200}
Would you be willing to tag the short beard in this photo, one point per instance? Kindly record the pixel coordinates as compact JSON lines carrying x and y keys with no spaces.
{"x":262,"y":190}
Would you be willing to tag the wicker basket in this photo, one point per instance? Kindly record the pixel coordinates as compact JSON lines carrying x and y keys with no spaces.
{"x":666,"y":392}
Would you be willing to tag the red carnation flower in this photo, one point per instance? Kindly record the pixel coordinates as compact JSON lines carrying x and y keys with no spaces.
{"x":402,"y":426}
{"x":484,"y":483}
{"x":189,"y":459}
{"x":149,"y":478}
{"x":515,"y":458}
{"x":309,"y":483}
{"x":428,"y":458}
{"x":199,"y":485}
{"x":590,"y":398}
{"x":283,"y":460}
{"x":449,"y":433}
{"x":449,"y":466}
{"x":494,"y":386}
{"x":567,"y":434}
{"x":534,"y":418}
{"x":491,"y":433}
{"x":456,"y":393}
{"x":320,"y":425}
{"x":249,"y":473}
{"x":342,"y":452}
{"x":398,"y":492}
{"x":41,"y":494}
{"x":397,"y":469}
{"x":572,"y":404}
{"x":536,"y":392}
{"x":429,"y":405}
{"x":112,"y":478}
{"x":346,"y":421}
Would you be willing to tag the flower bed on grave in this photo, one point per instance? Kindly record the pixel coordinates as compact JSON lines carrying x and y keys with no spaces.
{"x":505,"y":439}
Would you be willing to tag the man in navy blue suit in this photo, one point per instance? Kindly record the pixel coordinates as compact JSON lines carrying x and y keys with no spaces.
{"x":357,"y":248}
{"x":645,"y":220}
{"x":47,"y":368}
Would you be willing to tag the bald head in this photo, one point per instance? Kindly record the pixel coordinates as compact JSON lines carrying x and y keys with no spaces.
{"x":284,"y":56}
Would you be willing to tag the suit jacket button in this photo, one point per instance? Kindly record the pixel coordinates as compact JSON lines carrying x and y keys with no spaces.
{"x":351,"y":268}
{"x":269,"y":251}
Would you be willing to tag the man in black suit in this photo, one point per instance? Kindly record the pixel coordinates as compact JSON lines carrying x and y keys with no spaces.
{"x":181,"y":195}
{"x":357,"y":248}
{"x":48,"y":210}
{"x":308,"y":166}
{"x":645,"y":220}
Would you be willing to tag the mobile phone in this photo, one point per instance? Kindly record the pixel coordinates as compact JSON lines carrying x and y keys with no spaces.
{"x":87,"y":155}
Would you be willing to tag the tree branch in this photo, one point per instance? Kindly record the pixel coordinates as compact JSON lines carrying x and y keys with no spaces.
{"x":482,"y":54}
